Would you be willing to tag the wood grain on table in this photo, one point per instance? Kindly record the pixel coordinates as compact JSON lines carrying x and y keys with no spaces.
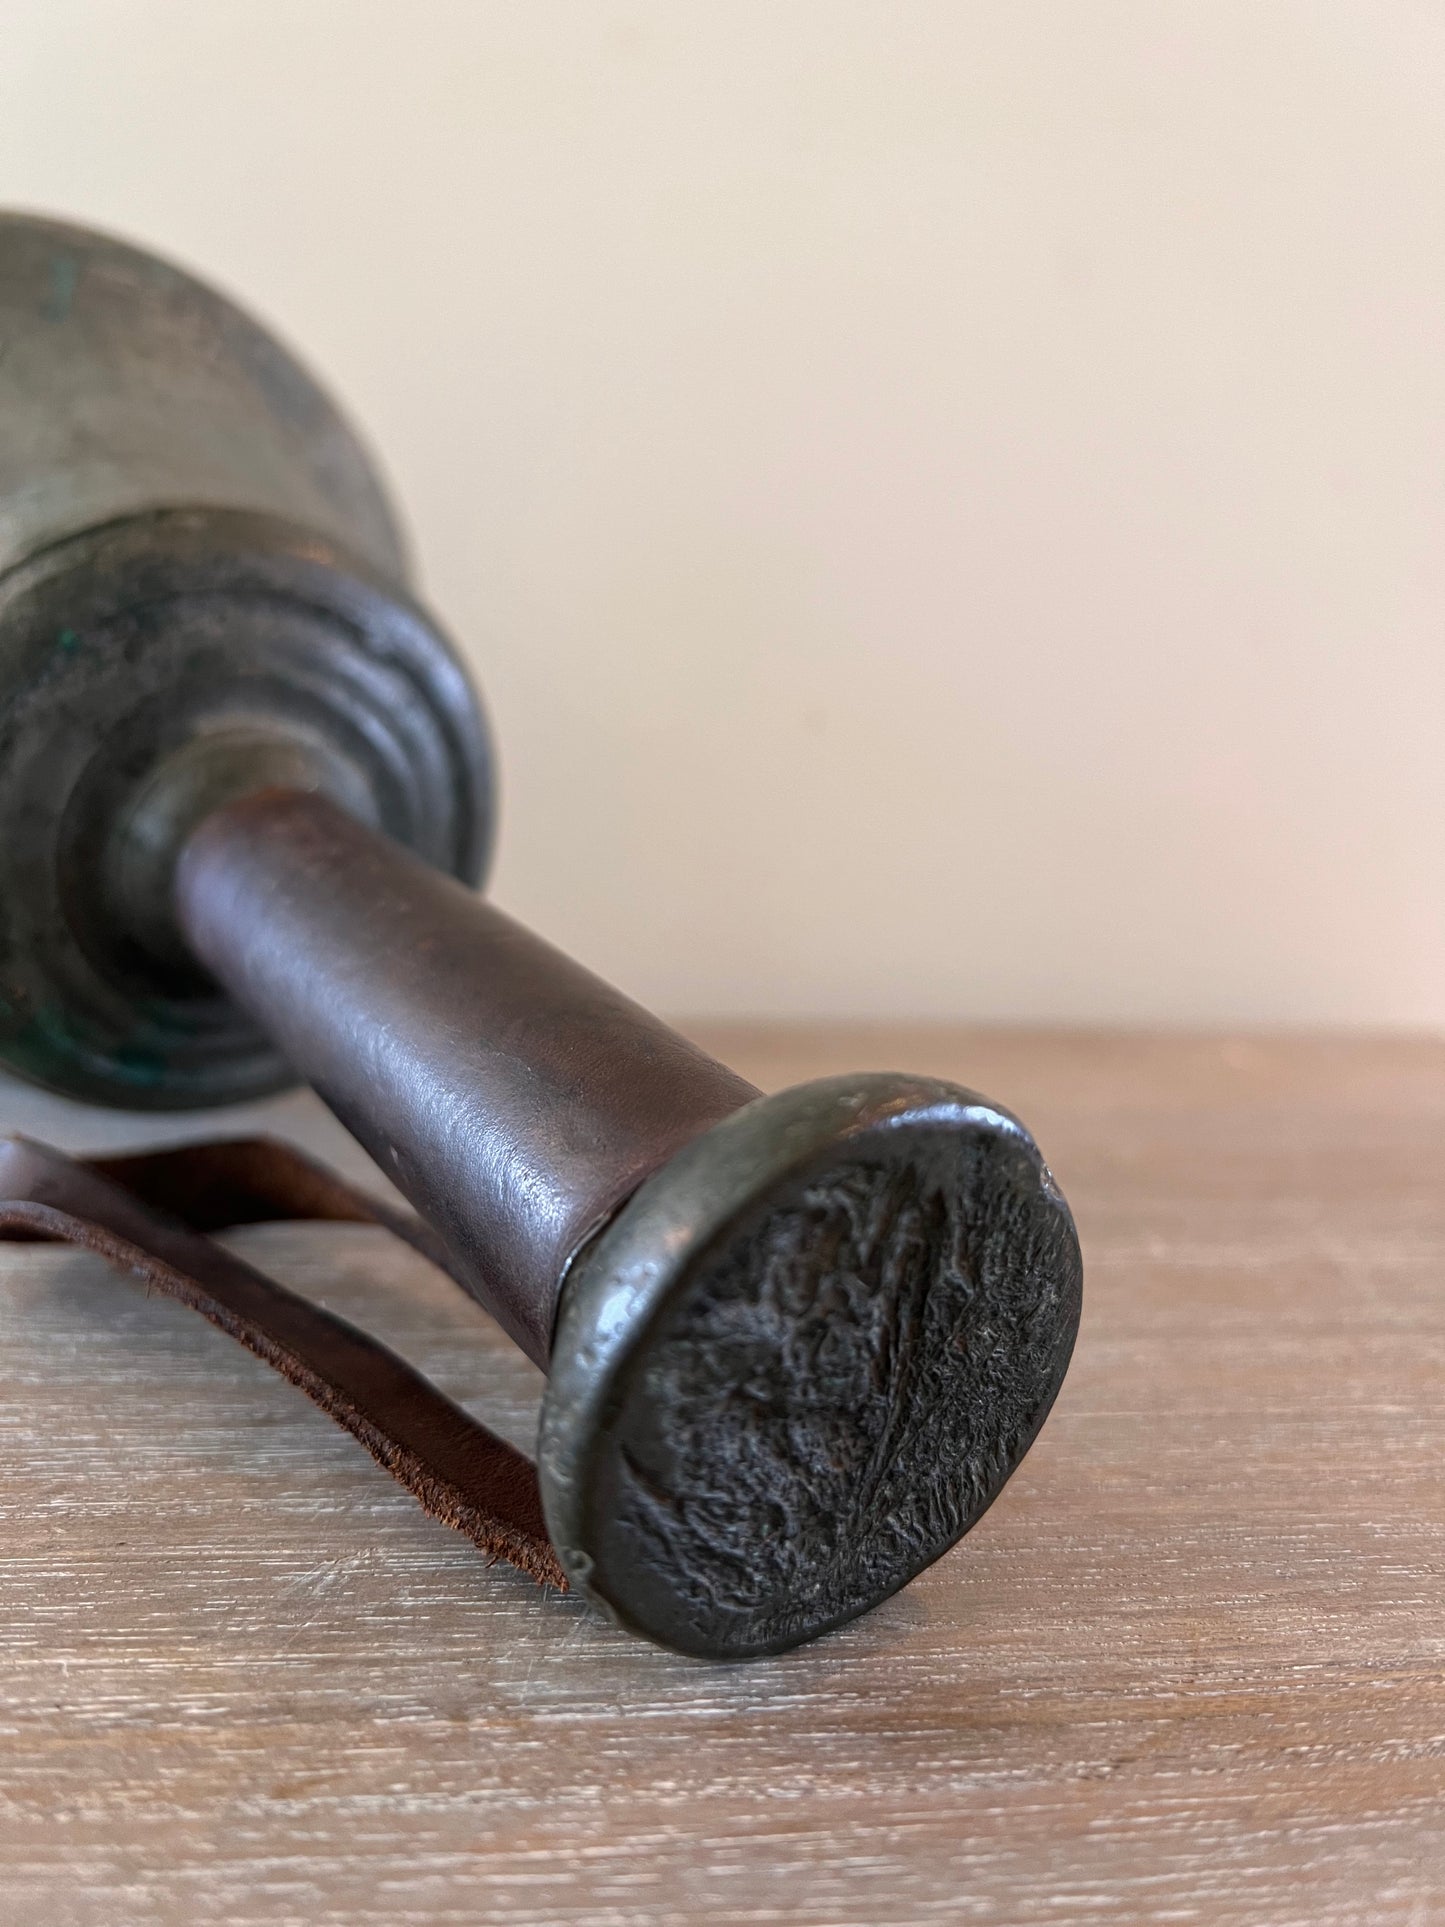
{"x":1190,"y":1668}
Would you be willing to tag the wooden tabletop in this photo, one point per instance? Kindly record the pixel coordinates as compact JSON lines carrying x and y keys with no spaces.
{"x":1190,"y":1668}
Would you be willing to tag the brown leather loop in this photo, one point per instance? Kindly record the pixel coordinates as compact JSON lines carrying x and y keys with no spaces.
{"x":148,"y":1214}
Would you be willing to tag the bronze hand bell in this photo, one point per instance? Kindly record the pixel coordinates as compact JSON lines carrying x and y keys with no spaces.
{"x":796,"y":1343}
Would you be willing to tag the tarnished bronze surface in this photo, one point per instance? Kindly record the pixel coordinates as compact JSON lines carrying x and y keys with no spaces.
{"x":127,"y":386}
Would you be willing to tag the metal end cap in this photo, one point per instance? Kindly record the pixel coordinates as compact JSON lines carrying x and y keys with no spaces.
{"x":803,"y":1360}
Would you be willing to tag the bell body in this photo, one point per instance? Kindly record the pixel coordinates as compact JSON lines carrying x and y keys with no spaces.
{"x":127,"y":386}
{"x":202,"y":589}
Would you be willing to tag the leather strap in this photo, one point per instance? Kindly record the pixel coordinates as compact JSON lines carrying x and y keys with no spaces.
{"x":148,"y":1214}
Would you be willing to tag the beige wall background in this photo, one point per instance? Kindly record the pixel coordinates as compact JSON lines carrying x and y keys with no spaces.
{"x":945,"y":500}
